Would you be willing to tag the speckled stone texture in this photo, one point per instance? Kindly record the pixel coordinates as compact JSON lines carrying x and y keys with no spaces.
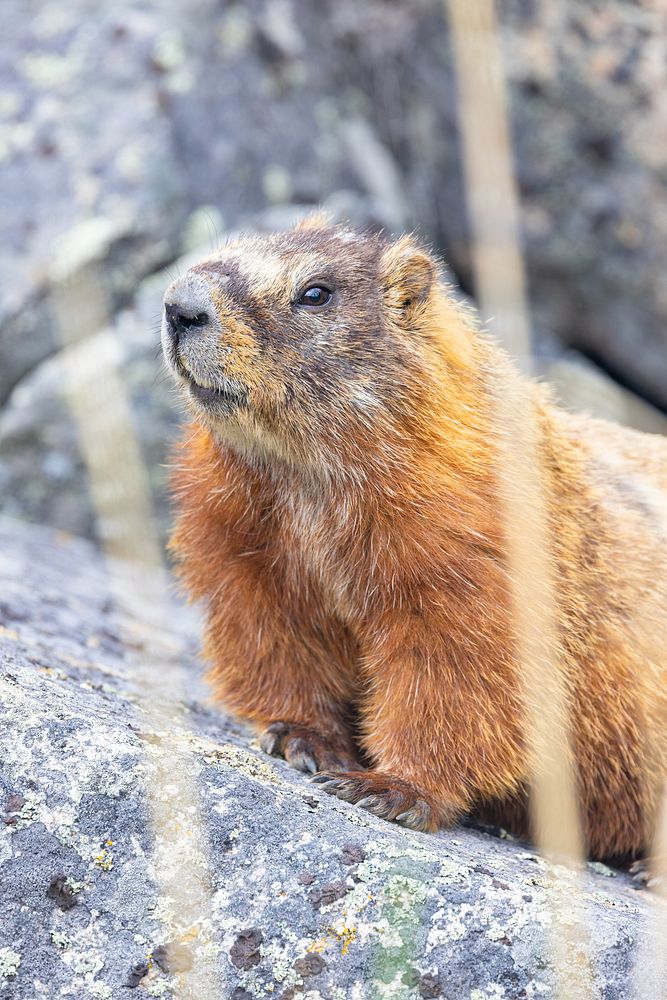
{"x":311,"y":897}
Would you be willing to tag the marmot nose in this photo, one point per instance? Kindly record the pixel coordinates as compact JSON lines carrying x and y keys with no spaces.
{"x":182,"y":320}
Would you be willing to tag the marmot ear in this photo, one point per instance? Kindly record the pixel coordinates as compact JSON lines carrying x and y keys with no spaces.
{"x":315,"y":220}
{"x":407,"y":273}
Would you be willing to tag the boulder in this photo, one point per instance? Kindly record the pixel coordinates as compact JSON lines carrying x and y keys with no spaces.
{"x":304,"y":896}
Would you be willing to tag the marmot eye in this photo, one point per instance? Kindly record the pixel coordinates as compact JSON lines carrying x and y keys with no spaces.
{"x":316,"y":295}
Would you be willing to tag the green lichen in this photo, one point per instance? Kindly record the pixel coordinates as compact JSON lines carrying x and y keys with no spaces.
{"x":396,"y":880}
{"x":597,"y":866}
{"x":402,"y":906}
{"x":29,"y":811}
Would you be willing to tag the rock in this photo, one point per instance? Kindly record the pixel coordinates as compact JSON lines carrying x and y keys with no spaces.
{"x":580,"y":385}
{"x":42,"y":473}
{"x":81,"y":146}
{"x":400,"y":914}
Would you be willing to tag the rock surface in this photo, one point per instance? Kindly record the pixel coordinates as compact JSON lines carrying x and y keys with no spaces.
{"x":310,"y":897}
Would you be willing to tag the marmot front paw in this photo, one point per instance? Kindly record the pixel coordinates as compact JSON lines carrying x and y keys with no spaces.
{"x":307,"y":750}
{"x":388,"y":797}
{"x":645,"y":877}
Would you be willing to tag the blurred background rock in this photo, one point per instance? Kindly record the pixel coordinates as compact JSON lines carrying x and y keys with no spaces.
{"x":134,"y":134}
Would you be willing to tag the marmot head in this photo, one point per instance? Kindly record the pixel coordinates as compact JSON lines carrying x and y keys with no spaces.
{"x":300,"y":343}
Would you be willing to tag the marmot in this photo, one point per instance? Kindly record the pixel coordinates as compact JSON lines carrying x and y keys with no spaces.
{"x":338,"y":515}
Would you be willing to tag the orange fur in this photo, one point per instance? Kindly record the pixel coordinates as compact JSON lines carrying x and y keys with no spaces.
{"x":343,"y":531}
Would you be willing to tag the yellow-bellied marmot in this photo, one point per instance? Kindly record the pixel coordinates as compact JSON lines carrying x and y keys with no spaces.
{"x":338,"y":513}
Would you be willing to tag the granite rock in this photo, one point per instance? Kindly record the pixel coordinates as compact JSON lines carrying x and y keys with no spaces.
{"x":310,"y":897}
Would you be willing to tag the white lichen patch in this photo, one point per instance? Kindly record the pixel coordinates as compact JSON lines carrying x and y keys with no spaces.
{"x":280,"y":958}
{"x":48,"y":71}
{"x":449,"y":924}
{"x":452,"y":872}
{"x":496,"y":931}
{"x":87,"y":964}
{"x":60,"y":940}
{"x":388,"y":934}
{"x":85,"y":955}
{"x":391,"y":849}
{"x":491,"y":992}
{"x":10,"y":961}
{"x":158,"y":988}
{"x":66,"y":835}
{"x":210,"y":951}
{"x":101,"y":991}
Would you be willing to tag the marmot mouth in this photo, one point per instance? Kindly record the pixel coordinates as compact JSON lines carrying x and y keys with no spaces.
{"x":228,"y":395}
{"x":205,"y":395}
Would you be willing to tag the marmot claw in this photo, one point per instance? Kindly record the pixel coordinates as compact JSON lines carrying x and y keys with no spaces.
{"x":305,"y":749}
{"x":384,"y":795}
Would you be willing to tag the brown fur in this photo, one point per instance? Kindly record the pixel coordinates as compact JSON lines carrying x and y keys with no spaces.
{"x":341,"y":524}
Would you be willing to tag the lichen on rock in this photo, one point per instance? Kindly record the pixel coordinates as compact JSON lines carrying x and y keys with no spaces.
{"x":304,"y":902}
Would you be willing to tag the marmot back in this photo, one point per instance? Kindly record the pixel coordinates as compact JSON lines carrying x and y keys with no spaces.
{"x":338,"y":513}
